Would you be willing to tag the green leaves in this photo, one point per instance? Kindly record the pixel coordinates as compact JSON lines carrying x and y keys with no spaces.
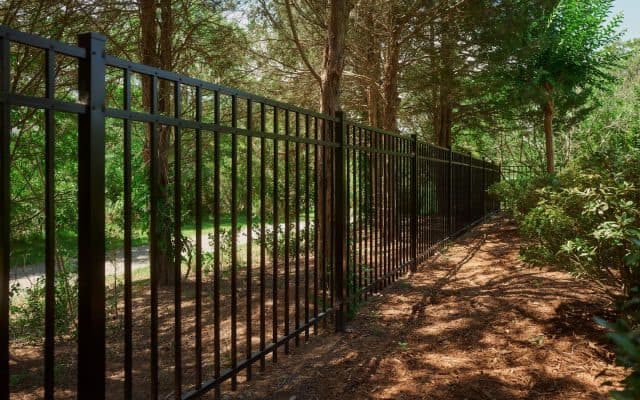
{"x":625,"y":334}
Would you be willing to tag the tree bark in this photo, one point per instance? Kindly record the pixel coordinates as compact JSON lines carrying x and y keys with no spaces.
{"x":444,"y":110}
{"x":390,"y":81}
{"x":156,"y":50}
{"x":444,"y":118}
{"x":548,"y":109}
{"x":334,"y":56}
{"x":390,"y":123}
{"x":333,"y":66}
{"x":442,"y":125}
{"x":373,"y":70}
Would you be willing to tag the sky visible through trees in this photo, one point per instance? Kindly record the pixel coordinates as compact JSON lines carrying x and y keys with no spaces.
{"x":631,"y":11}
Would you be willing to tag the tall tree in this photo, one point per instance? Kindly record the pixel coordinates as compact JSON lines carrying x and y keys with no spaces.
{"x":571,"y":53}
{"x":156,"y":48}
{"x":308,"y":29}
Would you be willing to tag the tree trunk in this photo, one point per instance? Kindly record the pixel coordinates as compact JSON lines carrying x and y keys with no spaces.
{"x":443,"y":121}
{"x":333,"y":67}
{"x":390,"y":82}
{"x":548,"y":109}
{"x":157,"y":52}
{"x":372,"y":69}
{"x":390,"y":123}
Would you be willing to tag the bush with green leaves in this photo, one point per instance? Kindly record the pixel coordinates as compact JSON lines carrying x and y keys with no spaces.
{"x":587,"y":217}
{"x":27,"y":306}
{"x":625,"y":335}
{"x":519,"y":195}
{"x":587,"y":225}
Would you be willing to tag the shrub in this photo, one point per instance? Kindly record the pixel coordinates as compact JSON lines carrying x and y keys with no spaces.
{"x":586,"y":223}
{"x":547,"y":227}
{"x":625,"y":334}
{"x":519,"y":195}
{"x":27,"y":306}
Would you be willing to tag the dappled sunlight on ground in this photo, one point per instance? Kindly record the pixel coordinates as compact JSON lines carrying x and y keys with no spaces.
{"x":473,"y":323}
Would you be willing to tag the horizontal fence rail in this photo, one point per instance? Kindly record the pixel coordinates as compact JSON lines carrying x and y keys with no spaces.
{"x":515,"y":172}
{"x":259,"y":221}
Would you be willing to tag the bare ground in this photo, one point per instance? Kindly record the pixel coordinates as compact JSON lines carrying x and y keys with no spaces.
{"x":472,"y":323}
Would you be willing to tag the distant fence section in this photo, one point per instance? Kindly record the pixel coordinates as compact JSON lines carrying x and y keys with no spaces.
{"x":294,"y":216}
{"x":513,"y":172}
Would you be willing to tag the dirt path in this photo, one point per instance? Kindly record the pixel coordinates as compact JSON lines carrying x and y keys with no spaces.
{"x":473,"y":323}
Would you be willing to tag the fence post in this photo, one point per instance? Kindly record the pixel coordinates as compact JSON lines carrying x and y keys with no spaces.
{"x":484,"y":187}
{"x":340,"y":227}
{"x":450,"y":192}
{"x":414,"y":208}
{"x":497,"y":204}
{"x":470,"y":210}
{"x":91,"y":237}
{"x":5,"y":215}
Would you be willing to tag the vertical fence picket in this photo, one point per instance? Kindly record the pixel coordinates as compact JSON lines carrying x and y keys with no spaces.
{"x":216,"y":245}
{"x":414,"y":203}
{"x":263,"y":235}
{"x":234,"y":240}
{"x":91,"y":221}
{"x":275,"y":227}
{"x":154,"y":248}
{"x":339,"y":246}
{"x":127,"y":179}
{"x":5,"y":212}
{"x":249,"y":230}
{"x":50,"y":228}
{"x":198,"y":218}
{"x":177,"y":245}
{"x":287,"y":232}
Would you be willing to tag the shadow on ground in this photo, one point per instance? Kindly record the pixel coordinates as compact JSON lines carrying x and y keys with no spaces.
{"x":472,"y":323}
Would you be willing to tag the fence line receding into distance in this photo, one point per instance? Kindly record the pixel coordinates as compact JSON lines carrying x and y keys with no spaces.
{"x":288,"y":216}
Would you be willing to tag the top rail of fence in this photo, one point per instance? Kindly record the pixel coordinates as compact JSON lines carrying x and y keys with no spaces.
{"x":186,"y":80}
{"x":42,"y":43}
{"x":80,"y":53}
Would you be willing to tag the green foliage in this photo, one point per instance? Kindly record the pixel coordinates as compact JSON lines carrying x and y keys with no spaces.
{"x":586,"y":222}
{"x":27,"y":306}
{"x":269,"y":238}
{"x":547,"y":226}
{"x":571,"y":49}
{"x":519,"y":195}
{"x":625,"y":334}
{"x":587,"y":218}
{"x":567,"y":53}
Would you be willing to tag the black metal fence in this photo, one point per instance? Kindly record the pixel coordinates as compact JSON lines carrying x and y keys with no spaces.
{"x":322,"y":212}
{"x":513,"y":172}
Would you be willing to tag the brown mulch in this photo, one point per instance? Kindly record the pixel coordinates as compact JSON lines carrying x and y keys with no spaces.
{"x":473,"y":323}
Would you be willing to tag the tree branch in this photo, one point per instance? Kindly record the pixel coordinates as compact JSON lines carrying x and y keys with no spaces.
{"x":296,"y":40}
